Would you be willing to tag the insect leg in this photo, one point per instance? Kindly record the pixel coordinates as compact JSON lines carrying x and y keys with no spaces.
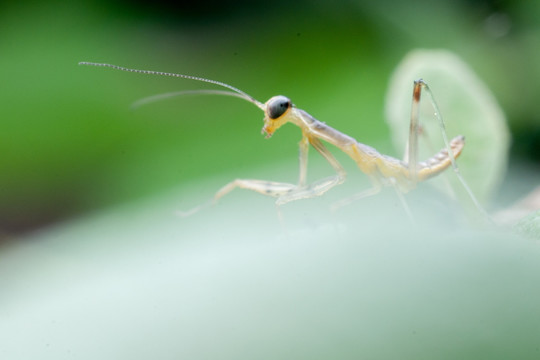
{"x":303,"y":157}
{"x":319,"y":187}
{"x":271,"y":188}
{"x":363,"y":194}
{"x":286,"y":192}
{"x":425,"y":87}
{"x":411,"y":152}
{"x":399,"y":194}
{"x":268,"y":188}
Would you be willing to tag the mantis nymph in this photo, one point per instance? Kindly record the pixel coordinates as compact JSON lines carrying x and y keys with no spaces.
{"x":382,"y":170}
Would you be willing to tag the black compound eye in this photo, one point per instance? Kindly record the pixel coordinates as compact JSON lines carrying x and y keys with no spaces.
{"x":277,"y":106}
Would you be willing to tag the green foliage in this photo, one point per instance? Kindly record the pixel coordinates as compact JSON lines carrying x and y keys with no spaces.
{"x":70,"y":144}
{"x":231,"y":282}
{"x":530,"y":225}
{"x":467,"y":107}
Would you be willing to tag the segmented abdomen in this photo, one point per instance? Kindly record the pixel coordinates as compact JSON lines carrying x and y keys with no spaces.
{"x":440,"y":161}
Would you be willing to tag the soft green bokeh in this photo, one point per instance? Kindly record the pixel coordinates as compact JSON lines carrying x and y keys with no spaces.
{"x":228,"y":283}
{"x":467,"y":107}
{"x":130,"y":280}
{"x":530,"y":225}
{"x":70,"y":143}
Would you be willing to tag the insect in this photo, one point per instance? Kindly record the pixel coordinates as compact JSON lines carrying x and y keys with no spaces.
{"x":382,"y":170}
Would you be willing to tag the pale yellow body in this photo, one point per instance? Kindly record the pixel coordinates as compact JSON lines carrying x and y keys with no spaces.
{"x":382,"y":170}
{"x":369,"y":160}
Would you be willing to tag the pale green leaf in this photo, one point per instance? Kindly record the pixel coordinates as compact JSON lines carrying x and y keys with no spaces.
{"x":468,"y":108}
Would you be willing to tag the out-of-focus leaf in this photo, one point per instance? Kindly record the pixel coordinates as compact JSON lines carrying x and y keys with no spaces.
{"x":227,"y":283}
{"x":522,"y":208}
{"x":530,"y":225}
{"x":468,"y":108}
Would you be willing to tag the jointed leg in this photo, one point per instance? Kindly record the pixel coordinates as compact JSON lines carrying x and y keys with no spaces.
{"x":438,"y":115}
{"x":319,"y":187}
{"x":403,"y":202}
{"x":286,"y":192}
{"x":347,"y":201}
{"x":268,"y":188}
{"x":411,"y":151}
{"x":303,"y":160}
{"x":377,"y":186}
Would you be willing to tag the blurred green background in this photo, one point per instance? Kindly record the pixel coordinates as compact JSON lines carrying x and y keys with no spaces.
{"x":130,"y":280}
{"x":70,"y":145}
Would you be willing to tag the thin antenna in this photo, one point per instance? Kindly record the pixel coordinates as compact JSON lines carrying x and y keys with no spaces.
{"x":151,"y":72}
{"x":451,"y":153}
{"x":158,"y":97}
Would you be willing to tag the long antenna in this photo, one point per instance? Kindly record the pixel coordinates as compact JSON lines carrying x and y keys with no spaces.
{"x":151,"y":72}
{"x":158,"y":97}
{"x":451,"y":153}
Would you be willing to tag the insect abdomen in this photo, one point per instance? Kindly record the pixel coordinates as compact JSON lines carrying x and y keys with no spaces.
{"x":440,"y":161}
